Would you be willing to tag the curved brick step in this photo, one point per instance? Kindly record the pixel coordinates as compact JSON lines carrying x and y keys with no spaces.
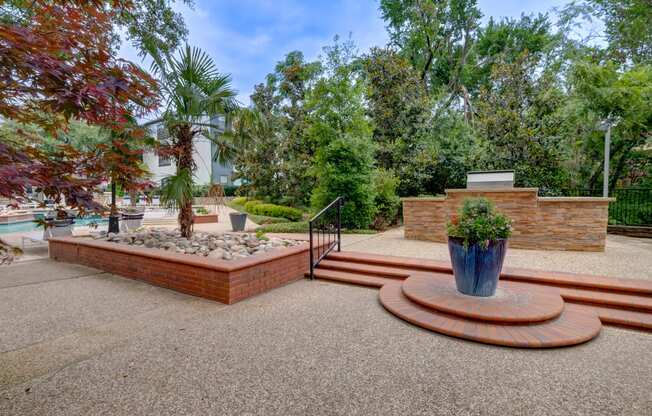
{"x":574,"y":326}
{"x":513,"y":302}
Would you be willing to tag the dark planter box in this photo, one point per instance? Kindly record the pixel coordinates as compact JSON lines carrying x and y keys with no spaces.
{"x":238,"y":221}
{"x":477,"y":269}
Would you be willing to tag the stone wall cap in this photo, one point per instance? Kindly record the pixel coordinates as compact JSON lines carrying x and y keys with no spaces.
{"x":490,"y":190}
{"x":575,"y":199}
{"x":424,"y":198}
{"x":189,"y":259}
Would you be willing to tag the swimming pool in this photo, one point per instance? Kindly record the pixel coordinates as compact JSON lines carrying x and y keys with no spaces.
{"x":23,"y":227}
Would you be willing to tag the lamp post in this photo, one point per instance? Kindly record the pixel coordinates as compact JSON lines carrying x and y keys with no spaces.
{"x":607,"y":148}
{"x":606,"y":127}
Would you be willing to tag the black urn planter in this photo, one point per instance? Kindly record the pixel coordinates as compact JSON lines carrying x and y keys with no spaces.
{"x":238,"y":220}
{"x":477,"y":269}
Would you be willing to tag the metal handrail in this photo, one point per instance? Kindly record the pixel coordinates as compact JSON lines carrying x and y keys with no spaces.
{"x":325,"y":229}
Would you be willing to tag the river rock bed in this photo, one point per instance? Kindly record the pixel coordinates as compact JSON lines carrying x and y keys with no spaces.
{"x":224,"y":246}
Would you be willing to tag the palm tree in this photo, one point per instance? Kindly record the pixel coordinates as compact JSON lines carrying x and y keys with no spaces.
{"x":195,"y":93}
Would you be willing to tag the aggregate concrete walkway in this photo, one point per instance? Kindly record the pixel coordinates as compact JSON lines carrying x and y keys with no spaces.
{"x":76,"y":341}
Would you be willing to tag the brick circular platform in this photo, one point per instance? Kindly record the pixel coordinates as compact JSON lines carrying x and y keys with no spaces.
{"x":574,"y":326}
{"x":513,"y":302}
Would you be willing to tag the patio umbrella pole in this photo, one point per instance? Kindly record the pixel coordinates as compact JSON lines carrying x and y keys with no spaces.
{"x":114,"y":218}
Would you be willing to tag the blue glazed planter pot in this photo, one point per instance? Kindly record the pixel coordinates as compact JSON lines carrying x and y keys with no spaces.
{"x":476,"y":269}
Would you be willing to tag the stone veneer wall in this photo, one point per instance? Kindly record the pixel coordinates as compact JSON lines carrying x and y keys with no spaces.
{"x":543,"y":223}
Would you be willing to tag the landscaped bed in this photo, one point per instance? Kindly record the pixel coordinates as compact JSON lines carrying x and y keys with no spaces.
{"x":226,"y":246}
{"x":227,"y":281}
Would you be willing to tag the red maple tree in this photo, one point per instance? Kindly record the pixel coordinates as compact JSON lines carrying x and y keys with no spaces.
{"x":62,"y":65}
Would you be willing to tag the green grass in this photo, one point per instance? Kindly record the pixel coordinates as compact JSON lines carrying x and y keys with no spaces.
{"x":262,"y":219}
{"x":301,"y":227}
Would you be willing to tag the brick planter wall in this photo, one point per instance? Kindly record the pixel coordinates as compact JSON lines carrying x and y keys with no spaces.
{"x":205,"y":218}
{"x":539,"y":223}
{"x":220,"y":280}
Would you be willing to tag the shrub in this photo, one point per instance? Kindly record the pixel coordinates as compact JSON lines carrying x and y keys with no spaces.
{"x":387,"y":201}
{"x":199,"y":191}
{"x":230,"y":190}
{"x":344,"y":167}
{"x":301,"y":227}
{"x":250,"y":204}
{"x":241,"y":200}
{"x":477,"y":222}
{"x":201,"y":211}
{"x":288,"y":227}
{"x":272,"y":210}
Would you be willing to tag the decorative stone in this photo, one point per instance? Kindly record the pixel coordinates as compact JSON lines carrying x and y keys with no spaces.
{"x":216,"y":246}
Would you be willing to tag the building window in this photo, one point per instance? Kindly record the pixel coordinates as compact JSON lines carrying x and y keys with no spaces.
{"x":164,"y":138}
{"x":224,"y":179}
{"x":164,"y":161}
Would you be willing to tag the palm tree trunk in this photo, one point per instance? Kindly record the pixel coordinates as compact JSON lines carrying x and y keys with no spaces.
{"x":185,"y":161}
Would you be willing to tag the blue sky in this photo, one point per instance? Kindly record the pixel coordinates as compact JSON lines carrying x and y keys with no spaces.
{"x":247,"y":37}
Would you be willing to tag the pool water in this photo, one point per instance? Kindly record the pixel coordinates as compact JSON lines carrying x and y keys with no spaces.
{"x":23,"y":227}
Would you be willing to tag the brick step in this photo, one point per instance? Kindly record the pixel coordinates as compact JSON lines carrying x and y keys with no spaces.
{"x":363,"y":268}
{"x":514,"y":303}
{"x":575,"y":325}
{"x":606,"y":299}
{"x":406,"y":263}
{"x":352,"y":278}
{"x":621,"y":317}
{"x":621,"y":300}
{"x":580,"y":281}
{"x":560,"y":279}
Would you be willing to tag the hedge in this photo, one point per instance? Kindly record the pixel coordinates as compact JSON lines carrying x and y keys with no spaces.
{"x":249,"y":206}
{"x":272,"y":210}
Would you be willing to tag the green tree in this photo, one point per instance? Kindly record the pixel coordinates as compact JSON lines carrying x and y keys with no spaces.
{"x":437,"y":37}
{"x":605,"y":92}
{"x":505,"y":41}
{"x":195,"y":93}
{"x":294,"y":78}
{"x":339,"y":129}
{"x":627,"y":27}
{"x":344,"y":167}
{"x":518,"y":120}
{"x":398,"y":106}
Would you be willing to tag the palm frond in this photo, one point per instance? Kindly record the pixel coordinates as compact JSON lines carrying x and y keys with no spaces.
{"x":176,"y":190}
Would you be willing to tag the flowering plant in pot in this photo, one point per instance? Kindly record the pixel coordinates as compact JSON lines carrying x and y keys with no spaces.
{"x":477,"y":243}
